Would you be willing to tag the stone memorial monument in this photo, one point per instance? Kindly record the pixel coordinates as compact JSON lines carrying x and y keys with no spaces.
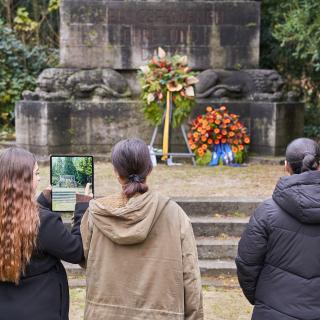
{"x":92,"y":99}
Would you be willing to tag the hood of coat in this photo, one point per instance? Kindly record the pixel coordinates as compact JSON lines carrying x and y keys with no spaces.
{"x":299,"y":195}
{"x":131,"y":223}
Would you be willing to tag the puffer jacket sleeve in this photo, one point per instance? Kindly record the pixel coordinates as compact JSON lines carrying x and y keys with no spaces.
{"x":191,"y":272}
{"x":252,"y":250}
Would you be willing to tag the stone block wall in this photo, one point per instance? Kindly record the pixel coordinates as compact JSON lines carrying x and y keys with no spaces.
{"x":78,"y":127}
{"x":124,"y":34}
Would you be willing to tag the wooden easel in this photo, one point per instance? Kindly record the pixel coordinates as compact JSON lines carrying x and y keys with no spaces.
{"x":188,"y":154}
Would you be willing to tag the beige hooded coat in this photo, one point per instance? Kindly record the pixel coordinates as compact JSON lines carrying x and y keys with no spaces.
{"x":141,"y":260}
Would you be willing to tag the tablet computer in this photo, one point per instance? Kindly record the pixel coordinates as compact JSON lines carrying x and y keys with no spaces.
{"x":69,"y":174}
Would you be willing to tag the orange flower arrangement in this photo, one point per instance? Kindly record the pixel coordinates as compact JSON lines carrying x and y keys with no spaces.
{"x":215,"y":127}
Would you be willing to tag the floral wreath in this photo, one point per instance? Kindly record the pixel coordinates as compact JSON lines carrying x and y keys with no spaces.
{"x":218,"y":137}
{"x":163,"y":74}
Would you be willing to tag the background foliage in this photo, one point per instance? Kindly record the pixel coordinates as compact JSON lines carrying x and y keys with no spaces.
{"x":290,"y":43}
{"x":79,"y":167}
{"x":28,"y":44}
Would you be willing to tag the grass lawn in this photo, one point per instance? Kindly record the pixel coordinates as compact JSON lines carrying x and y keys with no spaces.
{"x":219,"y":304}
{"x":253,"y":181}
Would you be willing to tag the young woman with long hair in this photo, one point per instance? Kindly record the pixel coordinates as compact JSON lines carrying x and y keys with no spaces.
{"x":278,"y":258}
{"x":33,"y":240}
{"x":141,"y":256}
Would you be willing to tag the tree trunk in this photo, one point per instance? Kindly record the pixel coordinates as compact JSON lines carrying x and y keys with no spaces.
{"x":36,"y":17}
{"x":8,"y":8}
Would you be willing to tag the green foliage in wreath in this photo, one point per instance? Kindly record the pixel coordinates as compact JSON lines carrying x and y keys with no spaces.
{"x":205,"y":159}
{"x":162,"y":74}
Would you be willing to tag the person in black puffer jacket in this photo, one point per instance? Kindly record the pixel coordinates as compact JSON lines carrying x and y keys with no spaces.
{"x":278,"y":261}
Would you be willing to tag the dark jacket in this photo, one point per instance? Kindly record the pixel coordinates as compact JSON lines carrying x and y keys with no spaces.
{"x":278,"y":258}
{"x":43,"y":293}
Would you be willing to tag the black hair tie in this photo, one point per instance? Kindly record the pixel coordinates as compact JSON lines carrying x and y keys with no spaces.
{"x":134,"y":178}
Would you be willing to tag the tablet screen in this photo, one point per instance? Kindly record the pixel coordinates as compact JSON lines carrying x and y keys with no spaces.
{"x":69,"y":175}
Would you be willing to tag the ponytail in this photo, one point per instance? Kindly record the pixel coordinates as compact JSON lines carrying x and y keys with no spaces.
{"x":131,"y":159}
{"x":303,"y":155}
{"x":134,"y":185}
{"x":309,"y":163}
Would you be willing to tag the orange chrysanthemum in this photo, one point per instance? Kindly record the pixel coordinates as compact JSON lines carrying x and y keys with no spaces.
{"x":214,"y":127}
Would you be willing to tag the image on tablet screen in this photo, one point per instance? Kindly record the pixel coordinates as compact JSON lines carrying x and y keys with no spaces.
{"x":69,"y":175}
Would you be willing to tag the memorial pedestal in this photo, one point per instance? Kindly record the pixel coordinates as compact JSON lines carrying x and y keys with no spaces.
{"x":94,"y":127}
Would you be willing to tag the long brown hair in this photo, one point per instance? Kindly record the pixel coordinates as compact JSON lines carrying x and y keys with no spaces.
{"x":19,"y":215}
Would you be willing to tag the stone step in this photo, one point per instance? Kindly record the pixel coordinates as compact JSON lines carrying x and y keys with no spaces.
{"x":269,"y":160}
{"x":210,"y":226}
{"x":76,"y":283}
{"x":211,"y":267}
{"x":73,"y":270}
{"x":207,"y":281}
{"x":212,"y":248}
{"x":217,"y":268}
{"x":218,"y":227}
{"x":210,"y":207}
{"x":208,"y":249}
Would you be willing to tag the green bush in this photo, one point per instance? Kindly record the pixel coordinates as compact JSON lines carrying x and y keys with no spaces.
{"x":20,"y":66}
{"x":290,"y":43}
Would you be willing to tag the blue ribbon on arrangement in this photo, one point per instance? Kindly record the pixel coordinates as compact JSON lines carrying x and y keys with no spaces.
{"x":221,"y":151}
